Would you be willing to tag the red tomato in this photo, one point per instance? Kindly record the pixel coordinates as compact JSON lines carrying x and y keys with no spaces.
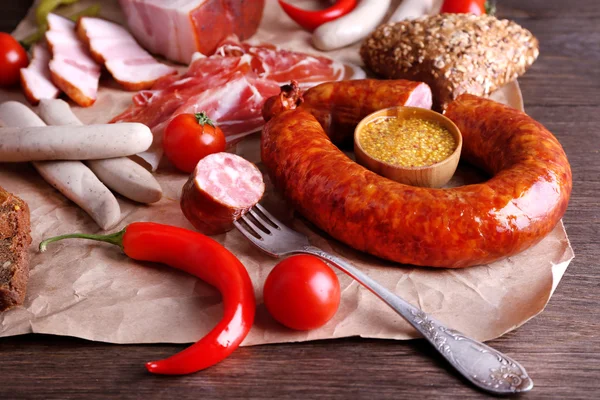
{"x":13,"y":57}
{"x":191,"y":137}
{"x":476,"y":7}
{"x":302,"y":292}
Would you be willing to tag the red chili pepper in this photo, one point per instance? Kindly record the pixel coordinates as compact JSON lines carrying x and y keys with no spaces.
{"x":200,"y":256}
{"x":476,"y":7}
{"x":311,"y":20}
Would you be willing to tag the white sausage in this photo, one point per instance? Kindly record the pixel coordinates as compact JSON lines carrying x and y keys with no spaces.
{"x":412,"y":9}
{"x":86,"y":142}
{"x":57,"y":112}
{"x":121,"y":174}
{"x":128,"y":178}
{"x":352,"y":27}
{"x":79,"y":184}
{"x":71,"y":178}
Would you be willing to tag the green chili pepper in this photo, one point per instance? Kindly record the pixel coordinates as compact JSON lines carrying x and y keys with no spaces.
{"x":46,"y":7}
{"x":91,"y":11}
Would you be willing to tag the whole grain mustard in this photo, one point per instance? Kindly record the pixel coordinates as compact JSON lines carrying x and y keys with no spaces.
{"x":411,"y":142}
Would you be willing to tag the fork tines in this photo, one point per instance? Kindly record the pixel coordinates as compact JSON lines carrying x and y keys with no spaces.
{"x":258,"y":222}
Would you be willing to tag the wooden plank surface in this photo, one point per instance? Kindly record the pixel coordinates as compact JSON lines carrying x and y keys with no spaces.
{"x":560,"y":348}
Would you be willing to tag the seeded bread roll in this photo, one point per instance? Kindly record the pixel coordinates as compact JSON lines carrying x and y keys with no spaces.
{"x":14,"y":241}
{"x":453,"y":53}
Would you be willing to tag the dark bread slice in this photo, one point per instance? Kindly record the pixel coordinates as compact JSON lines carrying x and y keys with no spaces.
{"x":14,"y":242}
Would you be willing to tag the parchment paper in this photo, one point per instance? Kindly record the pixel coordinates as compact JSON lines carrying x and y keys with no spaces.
{"x":93,"y":291}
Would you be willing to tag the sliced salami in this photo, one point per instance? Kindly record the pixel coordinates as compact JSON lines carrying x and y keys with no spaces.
{"x":222,"y":188}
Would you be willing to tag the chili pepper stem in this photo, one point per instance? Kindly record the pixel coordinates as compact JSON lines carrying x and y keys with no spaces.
{"x":112,"y":238}
{"x":490,"y":7}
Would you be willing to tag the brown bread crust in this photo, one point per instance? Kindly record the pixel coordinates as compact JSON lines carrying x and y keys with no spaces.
{"x":14,"y":241}
{"x":453,"y":53}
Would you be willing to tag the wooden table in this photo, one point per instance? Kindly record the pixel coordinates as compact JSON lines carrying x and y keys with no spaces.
{"x":560,"y":348}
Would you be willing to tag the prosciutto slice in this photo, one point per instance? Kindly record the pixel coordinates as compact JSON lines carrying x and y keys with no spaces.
{"x":112,"y":45}
{"x":177,"y":29}
{"x":281,"y":66}
{"x":35,"y":79}
{"x":231,"y":86}
{"x":72,"y":68}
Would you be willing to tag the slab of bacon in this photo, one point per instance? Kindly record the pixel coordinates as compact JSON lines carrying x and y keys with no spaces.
{"x":178,"y":29}
{"x":35,"y":79}
{"x":231,"y":86}
{"x":72,"y":68}
{"x":128,"y":63}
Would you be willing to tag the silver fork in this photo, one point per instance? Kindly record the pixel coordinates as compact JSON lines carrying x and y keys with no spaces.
{"x":483,"y":366}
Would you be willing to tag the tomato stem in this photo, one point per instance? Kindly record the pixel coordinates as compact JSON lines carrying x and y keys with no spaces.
{"x":203,"y":119}
{"x":112,"y":238}
{"x":490,"y":7}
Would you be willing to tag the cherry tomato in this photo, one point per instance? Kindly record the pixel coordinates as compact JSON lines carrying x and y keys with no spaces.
{"x":476,"y":7}
{"x":191,"y":137}
{"x":13,"y":57}
{"x":302,"y":292}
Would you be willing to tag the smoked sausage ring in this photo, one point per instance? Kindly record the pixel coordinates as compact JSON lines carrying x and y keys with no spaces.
{"x":457,"y":227}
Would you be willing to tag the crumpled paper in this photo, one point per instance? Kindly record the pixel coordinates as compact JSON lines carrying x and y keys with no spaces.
{"x":93,"y":291}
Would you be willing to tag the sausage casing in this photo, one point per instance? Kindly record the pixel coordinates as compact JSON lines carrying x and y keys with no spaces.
{"x":456,"y":227}
{"x":222,"y":188}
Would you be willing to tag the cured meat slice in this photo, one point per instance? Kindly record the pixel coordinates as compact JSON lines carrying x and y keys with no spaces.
{"x":154,"y":106}
{"x":35,"y":79}
{"x":177,"y":29}
{"x":222,"y":188}
{"x":72,"y":68}
{"x":231,"y":85}
{"x":282,"y":66}
{"x":236,"y":105}
{"x":112,"y":45}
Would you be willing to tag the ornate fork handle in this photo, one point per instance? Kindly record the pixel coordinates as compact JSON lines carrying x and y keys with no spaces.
{"x":485,"y":367}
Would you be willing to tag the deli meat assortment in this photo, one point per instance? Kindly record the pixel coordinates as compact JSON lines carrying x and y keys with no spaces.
{"x":230,"y":85}
{"x":200,"y":90}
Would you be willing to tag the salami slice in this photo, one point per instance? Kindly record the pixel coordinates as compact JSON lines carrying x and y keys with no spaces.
{"x":222,"y":188}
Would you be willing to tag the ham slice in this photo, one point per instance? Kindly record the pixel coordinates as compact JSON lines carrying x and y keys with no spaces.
{"x":35,"y":79}
{"x":112,"y":45}
{"x":178,"y":28}
{"x":72,"y":68}
{"x":231,"y":86}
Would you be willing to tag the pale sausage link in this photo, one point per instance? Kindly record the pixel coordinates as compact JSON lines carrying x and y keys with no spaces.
{"x":121,"y":174}
{"x":71,"y":178}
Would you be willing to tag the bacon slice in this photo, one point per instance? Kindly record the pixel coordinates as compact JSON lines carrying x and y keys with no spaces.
{"x":178,"y":28}
{"x":72,"y":68}
{"x":35,"y":79}
{"x":112,"y":45}
{"x":231,"y":86}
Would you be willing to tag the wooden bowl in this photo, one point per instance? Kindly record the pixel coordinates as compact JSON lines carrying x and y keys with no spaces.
{"x":435,"y":175}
